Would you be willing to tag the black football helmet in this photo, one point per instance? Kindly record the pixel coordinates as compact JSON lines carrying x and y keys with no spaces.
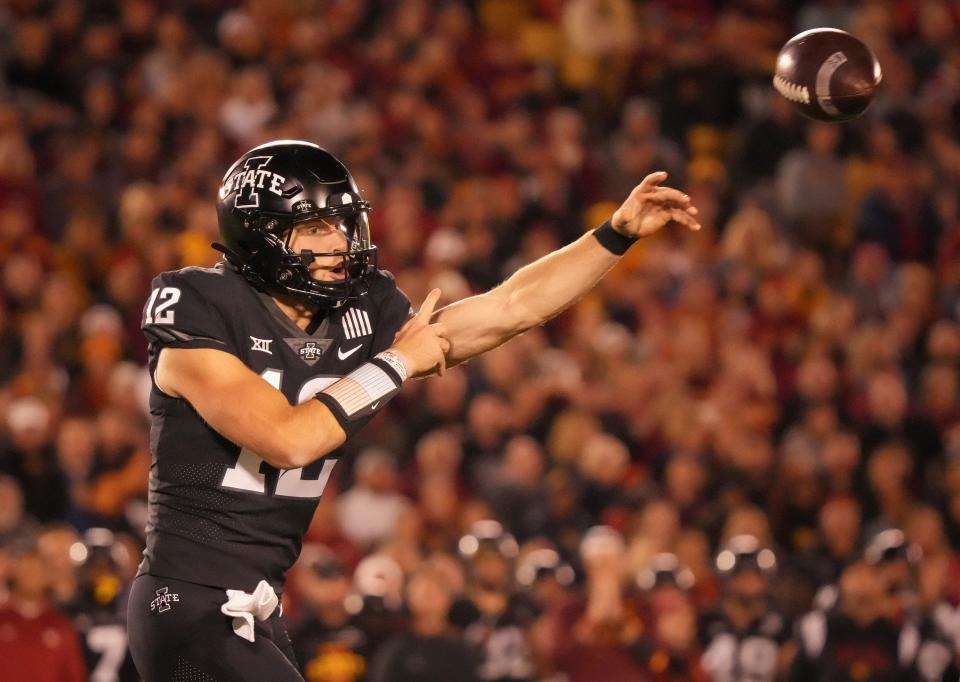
{"x":544,"y":563}
{"x":271,"y":189}
{"x":889,"y":546}
{"x":665,"y":570}
{"x":99,"y":558}
{"x":488,"y":536}
{"x":745,"y":553}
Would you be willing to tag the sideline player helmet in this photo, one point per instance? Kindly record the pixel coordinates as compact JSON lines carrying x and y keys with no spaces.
{"x":271,"y":189}
{"x":745,"y":553}
{"x":665,"y":570}
{"x":99,"y":559}
{"x":891,"y":545}
{"x":544,"y":563}
{"x":487,"y":536}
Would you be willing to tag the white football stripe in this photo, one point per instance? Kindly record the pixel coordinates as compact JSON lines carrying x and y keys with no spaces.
{"x":366,"y":320}
{"x":822,"y":86}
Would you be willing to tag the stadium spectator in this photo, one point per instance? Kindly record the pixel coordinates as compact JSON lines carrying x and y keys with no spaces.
{"x":29,"y":458}
{"x":860,"y":628}
{"x":39,"y":642}
{"x":493,"y":614}
{"x":368,"y":512}
{"x":746,"y":638}
{"x":594,"y":636}
{"x":429,"y":651}
{"x":810,"y":190}
{"x":330,"y":642}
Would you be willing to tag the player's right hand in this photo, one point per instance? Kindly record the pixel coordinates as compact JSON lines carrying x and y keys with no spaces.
{"x":423,"y":345}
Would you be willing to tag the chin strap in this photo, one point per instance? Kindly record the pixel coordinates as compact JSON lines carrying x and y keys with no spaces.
{"x":245,"y":268}
{"x":232,"y":256}
{"x":237,"y":262}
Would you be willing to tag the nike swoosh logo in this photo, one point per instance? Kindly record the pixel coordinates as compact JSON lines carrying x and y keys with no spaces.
{"x":344,"y":356}
{"x":374,"y":406}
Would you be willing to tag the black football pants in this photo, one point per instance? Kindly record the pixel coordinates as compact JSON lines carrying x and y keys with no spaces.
{"x":178,"y":634}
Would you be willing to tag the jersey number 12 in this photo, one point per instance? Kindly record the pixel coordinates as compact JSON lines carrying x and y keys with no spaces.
{"x":162,"y":313}
{"x":246,"y":474}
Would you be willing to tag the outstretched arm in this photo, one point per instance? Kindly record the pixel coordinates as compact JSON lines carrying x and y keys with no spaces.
{"x":541,"y":290}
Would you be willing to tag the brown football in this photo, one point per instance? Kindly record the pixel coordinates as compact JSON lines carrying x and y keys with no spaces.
{"x":828,"y":74}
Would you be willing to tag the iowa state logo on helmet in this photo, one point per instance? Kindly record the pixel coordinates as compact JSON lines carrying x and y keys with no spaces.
{"x":253,"y":177}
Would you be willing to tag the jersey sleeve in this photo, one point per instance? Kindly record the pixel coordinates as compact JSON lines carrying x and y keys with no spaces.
{"x":395,"y":310}
{"x":182,"y":313}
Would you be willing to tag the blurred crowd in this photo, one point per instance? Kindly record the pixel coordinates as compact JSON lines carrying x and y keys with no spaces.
{"x":737,"y":459}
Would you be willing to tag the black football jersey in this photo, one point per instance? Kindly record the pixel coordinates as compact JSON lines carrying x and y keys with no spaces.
{"x":103,"y":637}
{"x":322,"y":648}
{"x":750,"y":655}
{"x":507,"y":656}
{"x":218,"y":514}
{"x":834,"y":647}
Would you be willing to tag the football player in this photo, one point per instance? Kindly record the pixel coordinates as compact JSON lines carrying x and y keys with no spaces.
{"x":493,"y":615}
{"x":744,"y":640}
{"x":98,"y":608}
{"x":265,"y":365}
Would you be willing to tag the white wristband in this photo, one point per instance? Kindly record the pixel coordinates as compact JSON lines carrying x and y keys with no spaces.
{"x":397,"y":361}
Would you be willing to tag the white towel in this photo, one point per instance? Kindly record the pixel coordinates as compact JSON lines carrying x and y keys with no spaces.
{"x":243,"y":606}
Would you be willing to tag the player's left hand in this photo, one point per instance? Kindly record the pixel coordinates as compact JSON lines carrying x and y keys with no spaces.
{"x":650,"y":206}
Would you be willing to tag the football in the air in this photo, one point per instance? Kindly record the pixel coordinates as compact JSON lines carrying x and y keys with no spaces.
{"x":828,"y":74}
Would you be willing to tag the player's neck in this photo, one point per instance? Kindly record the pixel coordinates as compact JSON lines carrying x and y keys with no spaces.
{"x":429,"y":625}
{"x":299,"y":313}
{"x":28,"y":606}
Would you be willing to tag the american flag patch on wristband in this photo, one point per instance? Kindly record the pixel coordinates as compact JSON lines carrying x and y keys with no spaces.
{"x":365,"y":385}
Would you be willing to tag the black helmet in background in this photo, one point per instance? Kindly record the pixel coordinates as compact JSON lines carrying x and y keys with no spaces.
{"x":271,"y":189}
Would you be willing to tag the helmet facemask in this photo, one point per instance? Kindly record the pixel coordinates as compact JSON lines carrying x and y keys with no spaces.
{"x":280,"y":270}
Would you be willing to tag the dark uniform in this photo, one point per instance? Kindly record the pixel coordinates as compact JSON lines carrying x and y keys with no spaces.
{"x":408,"y":657}
{"x":833,"y":647}
{"x":502,"y":638}
{"x":103,"y":637}
{"x":332,"y":651}
{"x":220,"y":517}
{"x":750,"y":655}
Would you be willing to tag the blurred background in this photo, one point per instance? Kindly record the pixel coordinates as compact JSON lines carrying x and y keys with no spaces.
{"x":737,"y":459}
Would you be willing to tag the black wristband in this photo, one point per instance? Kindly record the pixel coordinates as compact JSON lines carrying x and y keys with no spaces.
{"x":367,"y":389}
{"x":613,"y":241}
{"x":349,"y":426}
